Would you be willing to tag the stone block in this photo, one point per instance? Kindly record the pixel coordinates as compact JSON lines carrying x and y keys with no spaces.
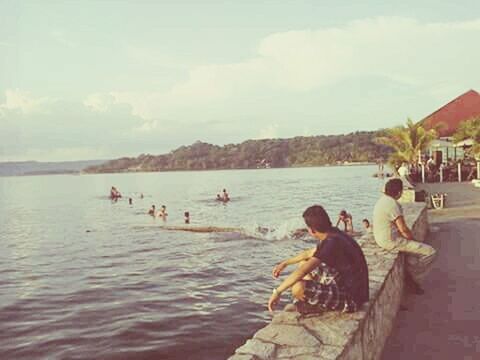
{"x":264,"y":351}
{"x":286,"y":317}
{"x":287,"y":335}
{"x":289,"y":352}
{"x":242,"y":357}
{"x":353,"y":350}
{"x":335,"y":331}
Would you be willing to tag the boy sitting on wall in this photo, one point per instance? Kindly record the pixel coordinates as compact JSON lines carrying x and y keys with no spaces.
{"x":331,"y":276}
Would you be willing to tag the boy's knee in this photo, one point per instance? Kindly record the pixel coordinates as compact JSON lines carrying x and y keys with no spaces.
{"x":298,"y":290}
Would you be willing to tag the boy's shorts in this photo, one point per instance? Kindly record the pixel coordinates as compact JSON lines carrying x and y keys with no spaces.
{"x":322,"y":297}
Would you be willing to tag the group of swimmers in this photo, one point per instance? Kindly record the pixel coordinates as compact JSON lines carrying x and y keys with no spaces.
{"x":162,"y":213}
{"x":224,"y":197}
{"x":347,"y":220}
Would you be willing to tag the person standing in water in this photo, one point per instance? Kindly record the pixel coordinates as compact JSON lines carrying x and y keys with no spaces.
{"x":163,"y":213}
{"x":152,"y":211}
{"x":346,"y":218}
{"x":368,"y":227}
{"x":225,"y":195}
{"x":186,"y":215}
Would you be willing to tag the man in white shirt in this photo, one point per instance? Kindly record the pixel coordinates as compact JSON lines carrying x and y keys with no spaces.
{"x":392,"y":233}
{"x":403,"y":170}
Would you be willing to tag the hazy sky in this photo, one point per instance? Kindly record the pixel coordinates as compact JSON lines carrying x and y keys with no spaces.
{"x":104,"y":79}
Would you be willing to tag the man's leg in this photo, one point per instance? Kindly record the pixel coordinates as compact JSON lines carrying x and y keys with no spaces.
{"x":419,"y":258}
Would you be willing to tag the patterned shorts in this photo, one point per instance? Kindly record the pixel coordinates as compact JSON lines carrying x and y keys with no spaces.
{"x":324,"y":294}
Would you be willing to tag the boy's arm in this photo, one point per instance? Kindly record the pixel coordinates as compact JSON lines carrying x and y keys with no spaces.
{"x":304,"y":255}
{"x":294,"y":277}
{"x":403,"y":228}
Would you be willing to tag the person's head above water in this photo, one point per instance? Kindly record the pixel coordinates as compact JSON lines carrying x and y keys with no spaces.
{"x":366,"y":223}
{"x":343,"y":213}
{"x":186,"y":214}
{"x":317,"y":219}
{"x":394,"y":188}
{"x":164,"y":207}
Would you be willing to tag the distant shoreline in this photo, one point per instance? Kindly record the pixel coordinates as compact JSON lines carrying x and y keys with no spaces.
{"x":81,"y":172}
{"x":229,"y":169}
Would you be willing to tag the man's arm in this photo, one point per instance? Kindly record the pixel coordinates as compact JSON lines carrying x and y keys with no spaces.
{"x":403,"y":228}
{"x":338,"y":222}
{"x":304,"y":255}
{"x":294,"y":277}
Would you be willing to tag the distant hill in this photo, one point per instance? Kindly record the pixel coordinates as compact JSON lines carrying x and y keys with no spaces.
{"x":251,"y":154}
{"x":43,"y":168}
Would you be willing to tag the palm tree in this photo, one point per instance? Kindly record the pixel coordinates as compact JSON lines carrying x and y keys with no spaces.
{"x":470,"y":129}
{"x":407,"y":142}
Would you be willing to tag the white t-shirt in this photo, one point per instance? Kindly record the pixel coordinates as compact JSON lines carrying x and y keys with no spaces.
{"x":403,"y":171}
{"x":386,"y":211}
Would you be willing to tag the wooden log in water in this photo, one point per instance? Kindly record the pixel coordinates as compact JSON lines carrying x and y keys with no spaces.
{"x":202,"y":229}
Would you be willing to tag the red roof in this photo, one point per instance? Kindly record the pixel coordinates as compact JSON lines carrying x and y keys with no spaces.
{"x":462,"y":108}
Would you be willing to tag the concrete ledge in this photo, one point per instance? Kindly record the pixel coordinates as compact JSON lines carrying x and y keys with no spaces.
{"x":333,"y":335}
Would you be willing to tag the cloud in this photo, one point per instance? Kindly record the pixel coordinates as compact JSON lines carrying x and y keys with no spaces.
{"x":270,"y":132}
{"x":23,"y":101}
{"x":404,"y":51}
{"x":99,"y":102}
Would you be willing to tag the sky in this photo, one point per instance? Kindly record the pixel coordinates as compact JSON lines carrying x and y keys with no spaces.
{"x":105,"y":79}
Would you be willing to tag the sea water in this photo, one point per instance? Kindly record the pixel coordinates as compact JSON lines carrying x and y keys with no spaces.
{"x":82,"y":277}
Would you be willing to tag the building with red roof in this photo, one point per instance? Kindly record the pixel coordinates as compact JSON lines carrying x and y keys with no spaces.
{"x":446,"y":121}
{"x":449,"y":116}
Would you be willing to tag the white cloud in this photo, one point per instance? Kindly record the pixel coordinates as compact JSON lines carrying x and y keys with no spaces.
{"x":405,"y":51}
{"x":100,"y":102}
{"x":24,"y":102}
{"x":270,"y":132}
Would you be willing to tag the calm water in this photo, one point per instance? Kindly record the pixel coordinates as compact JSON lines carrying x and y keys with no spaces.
{"x":82,"y":277}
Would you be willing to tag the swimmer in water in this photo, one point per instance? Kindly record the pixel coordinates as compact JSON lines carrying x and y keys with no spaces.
{"x":225,"y":195}
{"x":346,"y":218}
{"x":152,"y":211}
{"x":186,"y":216}
{"x":114,"y":193}
{"x":163,"y":213}
{"x":367,"y":226}
{"x":130,"y":201}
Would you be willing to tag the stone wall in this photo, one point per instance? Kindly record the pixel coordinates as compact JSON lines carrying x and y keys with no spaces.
{"x":333,"y":335}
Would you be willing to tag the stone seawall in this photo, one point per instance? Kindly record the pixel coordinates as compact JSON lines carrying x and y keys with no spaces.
{"x":333,"y":335}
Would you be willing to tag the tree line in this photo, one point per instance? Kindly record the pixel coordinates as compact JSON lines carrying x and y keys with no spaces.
{"x":299,"y":151}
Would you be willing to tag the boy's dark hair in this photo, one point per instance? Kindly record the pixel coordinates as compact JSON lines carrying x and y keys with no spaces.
{"x":393,"y":187}
{"x":343,"y":213}
{"x":317,"y":219}
{"x":366,"y":220}
{"x":186,"y":213}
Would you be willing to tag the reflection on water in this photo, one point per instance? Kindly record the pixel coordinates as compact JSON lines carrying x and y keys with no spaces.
{"x":82,"y":277}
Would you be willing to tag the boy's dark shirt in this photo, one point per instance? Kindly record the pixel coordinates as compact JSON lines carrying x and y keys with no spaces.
{"x":343,"y":253}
